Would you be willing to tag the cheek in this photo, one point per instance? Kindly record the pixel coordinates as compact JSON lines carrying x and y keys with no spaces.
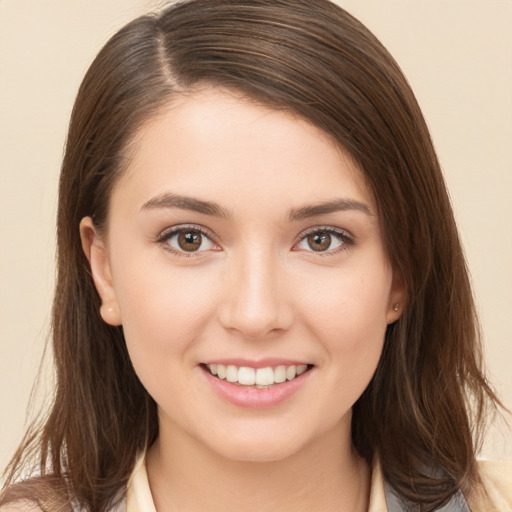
{"x":163,"y":310}
{"x":351,"y":301}
{"x":349,"y":319}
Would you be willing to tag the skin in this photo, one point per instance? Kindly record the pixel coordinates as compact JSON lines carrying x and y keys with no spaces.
{"x":254,"y":289}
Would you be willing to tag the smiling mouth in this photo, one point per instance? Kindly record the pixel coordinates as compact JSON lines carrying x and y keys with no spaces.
{"x":260,"y":378}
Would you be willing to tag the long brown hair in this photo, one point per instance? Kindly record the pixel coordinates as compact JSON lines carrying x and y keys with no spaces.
{"x":423,"y":412}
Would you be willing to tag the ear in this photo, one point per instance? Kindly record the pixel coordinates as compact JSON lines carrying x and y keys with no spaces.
{"x":97,"y":255}
{"x":397,"y":299}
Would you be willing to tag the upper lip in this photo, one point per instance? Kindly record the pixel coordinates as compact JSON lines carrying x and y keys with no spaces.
{"x":260,"y":363}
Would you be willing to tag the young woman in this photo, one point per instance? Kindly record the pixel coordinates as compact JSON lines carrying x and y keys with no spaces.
{"x":262,"y":301}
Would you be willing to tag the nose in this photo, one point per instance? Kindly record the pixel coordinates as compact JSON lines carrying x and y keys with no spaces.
{"x":256,"y":303}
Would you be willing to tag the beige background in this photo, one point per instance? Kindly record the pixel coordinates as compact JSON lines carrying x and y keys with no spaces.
{"x":457,"y":55}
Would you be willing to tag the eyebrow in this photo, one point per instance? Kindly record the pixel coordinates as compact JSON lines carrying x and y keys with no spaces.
{"x":335,"y":205}
{"x":170,"y":200}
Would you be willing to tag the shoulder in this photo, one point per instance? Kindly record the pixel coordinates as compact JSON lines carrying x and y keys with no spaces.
{"x":37,"y":494}
{"x":21,"y":506}
{"x":496,"y":477}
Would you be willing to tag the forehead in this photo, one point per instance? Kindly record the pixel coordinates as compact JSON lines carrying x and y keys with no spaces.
{"x":219,"y":142}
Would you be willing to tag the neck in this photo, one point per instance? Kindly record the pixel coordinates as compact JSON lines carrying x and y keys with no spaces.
{"x":326,"y":475}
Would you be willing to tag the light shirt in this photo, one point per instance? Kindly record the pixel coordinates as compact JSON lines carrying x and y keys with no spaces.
{"x":496,"y":476}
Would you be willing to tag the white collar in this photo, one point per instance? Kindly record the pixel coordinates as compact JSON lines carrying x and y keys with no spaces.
{"x":139,"y":498}
{"x":382,"y":499}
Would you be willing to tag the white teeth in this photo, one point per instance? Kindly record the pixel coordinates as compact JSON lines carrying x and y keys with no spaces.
{"x":291,"y":371}
{"x":258,"y":377}
{"x":246,"y":376}
{"x":280,"y":374}
{"x":221,"y":371}
{"x":301,"y":368}
{"x":265,"y":376}
{"x":232,"y":373}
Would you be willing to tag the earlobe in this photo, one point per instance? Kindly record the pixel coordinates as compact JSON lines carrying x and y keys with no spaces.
{"x":397,"y":299}
{"x":97,"y":255}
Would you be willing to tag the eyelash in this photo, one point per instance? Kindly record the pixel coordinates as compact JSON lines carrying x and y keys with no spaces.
{"x":165,"y":236}
{"x":346,"y":239}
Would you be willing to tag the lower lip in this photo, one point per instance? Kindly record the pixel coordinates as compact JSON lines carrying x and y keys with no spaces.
{"x":247,"y":396}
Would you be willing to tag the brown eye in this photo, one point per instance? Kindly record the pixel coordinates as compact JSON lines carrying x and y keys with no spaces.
{"x":324,"y":240}
{"x":319,"y":241}
{"x":188,"y":240}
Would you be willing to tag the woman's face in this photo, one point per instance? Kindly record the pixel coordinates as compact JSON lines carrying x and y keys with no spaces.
{"x":242,"y":241}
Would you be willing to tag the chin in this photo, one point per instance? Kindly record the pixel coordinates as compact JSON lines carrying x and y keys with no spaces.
{"x":266,"y":445}
{"x":279,"y":439}
{"x":257,"y":449}
{"x":259,"y":454}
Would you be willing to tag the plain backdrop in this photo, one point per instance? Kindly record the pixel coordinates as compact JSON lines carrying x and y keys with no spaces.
{"x":457,"y":55}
